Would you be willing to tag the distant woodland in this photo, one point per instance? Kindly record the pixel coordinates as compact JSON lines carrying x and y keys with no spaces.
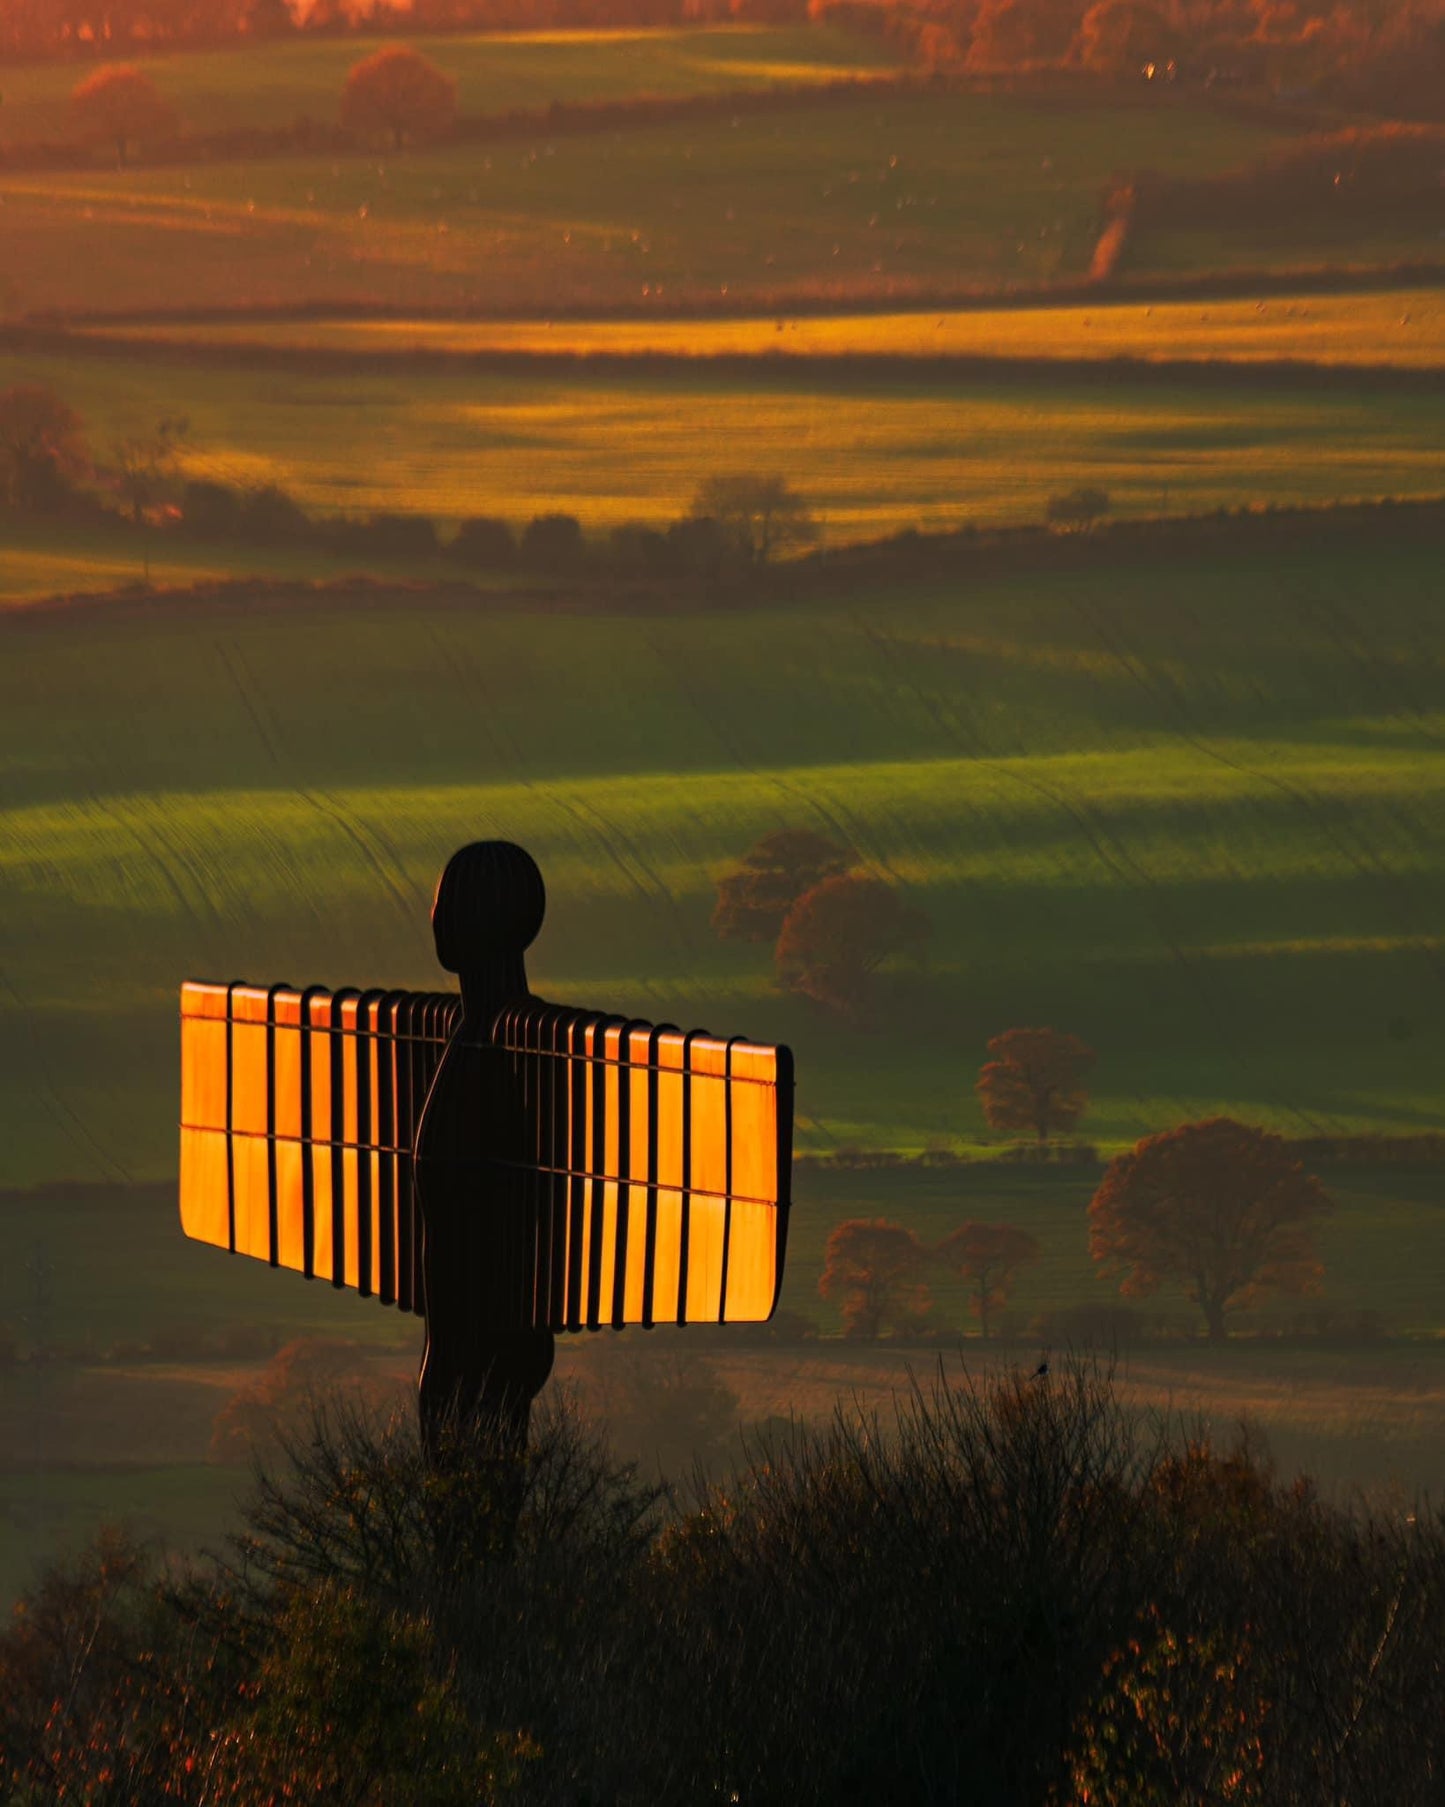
{"x":1385,"y":55}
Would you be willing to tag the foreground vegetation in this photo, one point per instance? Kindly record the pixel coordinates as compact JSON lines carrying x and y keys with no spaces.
{"x":1015,"y":1591}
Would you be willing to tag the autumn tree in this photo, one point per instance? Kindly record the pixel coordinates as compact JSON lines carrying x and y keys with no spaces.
{"x":146,"y":463}
{"x":1078,"y":507}
{"x":120,"y":105}
{"x":1220,"y":1207}
{"x":871,"y":1268}
{"x":987,"y":1258}
{"x":398,"y":94}
{"x":1035,"y":1081}
{"x":836,"y":936}
{"x":761,"y":515}
{"x":1121,"y":37}
{"x":42,"y":447}
{"x":1019,"y":33}
{"x":754,"y":898}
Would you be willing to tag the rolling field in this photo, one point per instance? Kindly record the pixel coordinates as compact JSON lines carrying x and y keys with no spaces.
{"x":873,"y":452}
{"x":273,"y":84}
{"x":1399,"y":329}
{"x":872,"y":198}
{"x":1194,"y":814}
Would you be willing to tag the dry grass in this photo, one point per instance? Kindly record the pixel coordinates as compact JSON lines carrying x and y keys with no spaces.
{"x":1356,"y":1418}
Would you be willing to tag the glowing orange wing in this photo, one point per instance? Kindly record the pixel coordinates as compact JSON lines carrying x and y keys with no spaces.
{"x":298,"y":1121}
{"x":650,"y":1167}
{"x":656,"y":1165}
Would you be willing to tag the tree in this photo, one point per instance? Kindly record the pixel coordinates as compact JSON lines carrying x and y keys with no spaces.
{"x":871,"y":1266}
{"x":269,"y":18}
{"x":1221,"y":1207}
{"x":1122,"y":37}
{"x":1035,"y":1081}
{"x":399,"y":93}
{"x":119,"y":105}
{"x":1010,"y":34}
{"x":484,"y":543}
{"x":760,"y":515}
{"x":754,"y":898}
{"x":1078,"y":507}
{"x":145,"y":464}
{"x":837,"y":934}
{"x":988,"y":1257}
{"x":553,"y":543}
{"x":42,"y":447}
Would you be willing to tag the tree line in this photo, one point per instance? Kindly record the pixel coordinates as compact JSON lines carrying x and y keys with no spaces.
{"x":736,"y":523}
{"x":1388,"y":58}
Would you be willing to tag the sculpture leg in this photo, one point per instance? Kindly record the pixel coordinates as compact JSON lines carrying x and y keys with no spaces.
{"x":482,"y":1383}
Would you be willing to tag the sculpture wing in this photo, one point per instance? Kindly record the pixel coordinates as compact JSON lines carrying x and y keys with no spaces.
{"x":650,"y":1168}
{"x":299,"y":1112}
{"x":655,"y":1167}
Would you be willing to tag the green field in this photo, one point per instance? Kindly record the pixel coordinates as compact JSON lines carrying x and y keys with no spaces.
{"x":275,"y":84}
{"x":874,"y":198}
{"x":1398,"y":328}
{"x":885,"y":449}
{"x":1192,"y":811}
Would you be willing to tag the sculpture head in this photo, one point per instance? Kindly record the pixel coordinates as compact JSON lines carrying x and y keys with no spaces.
{"x":489,"y":905}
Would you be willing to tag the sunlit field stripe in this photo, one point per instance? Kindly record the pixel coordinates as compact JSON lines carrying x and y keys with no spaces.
{"x":870,"y":458}
{"x":1400,"y":328}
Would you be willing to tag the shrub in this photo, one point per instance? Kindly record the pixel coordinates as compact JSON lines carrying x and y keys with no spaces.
{"x":1011,"y":1590}
{"x":484,"y":544}
{"x":272,"y":517}
{"x":212,"y":510}
{"x":553,"y":543}
{"x":1078,"y":507}
{"x":639,"y":551}
{"x":392,"y":536}
{"x":700,"y":546}
{"x":42,"y":449}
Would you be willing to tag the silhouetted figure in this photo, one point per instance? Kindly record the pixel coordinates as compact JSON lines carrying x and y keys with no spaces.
{"x":1040,"y":1371}
{"x":510,"y":1168}
{"x":484,"y":1362}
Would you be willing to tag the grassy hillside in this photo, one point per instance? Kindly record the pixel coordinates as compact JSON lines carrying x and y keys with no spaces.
{"x":1192,"y":813}
{"x":874,"y":449}
{"x":866,"y":199}
{"x":274,"y":84}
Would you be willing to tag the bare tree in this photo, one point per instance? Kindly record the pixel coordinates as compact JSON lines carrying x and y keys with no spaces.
{"x":761,"y":515}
